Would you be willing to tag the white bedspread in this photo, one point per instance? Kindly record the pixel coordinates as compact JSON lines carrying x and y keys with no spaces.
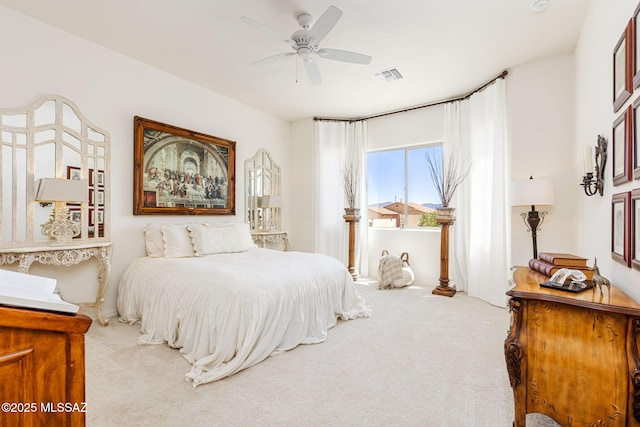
{"x":230,"y":311}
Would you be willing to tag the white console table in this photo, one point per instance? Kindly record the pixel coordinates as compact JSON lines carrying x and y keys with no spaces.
{"x":67,"y":255}
{"x":276,"y":237}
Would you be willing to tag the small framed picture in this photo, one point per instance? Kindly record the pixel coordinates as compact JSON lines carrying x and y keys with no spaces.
{"x":622,"y":130}
{"x":635,"y":229}
{"x":100,"y":178}
{"x":620,"y":228}
{"x":623,"y":68}
{"x":100,"y":216}
{"x":99,"y":194}
{"x":73,"y":172}
{"x":76,"y":215}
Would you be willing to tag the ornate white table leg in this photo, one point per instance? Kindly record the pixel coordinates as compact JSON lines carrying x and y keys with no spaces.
{"x":104,"y":269}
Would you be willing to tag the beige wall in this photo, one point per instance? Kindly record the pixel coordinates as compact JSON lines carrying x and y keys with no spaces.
{"x":110,"y":89}
{"x":603,"y":27}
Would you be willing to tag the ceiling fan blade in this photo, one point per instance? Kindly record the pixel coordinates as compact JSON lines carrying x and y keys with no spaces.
{"x":271,"y":33}
{"x":345,"y":56}
{"x":312,"y":71}
{"x":274,"y":58}
{"x":325,"y":23}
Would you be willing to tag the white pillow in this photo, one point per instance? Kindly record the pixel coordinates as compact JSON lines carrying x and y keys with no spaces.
{"x":153,"y":241}
{"x":177,"y":241}
{"x":210,"y":239}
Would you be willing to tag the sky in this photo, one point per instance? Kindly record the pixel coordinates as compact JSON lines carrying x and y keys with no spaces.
{"x":386,"y":176}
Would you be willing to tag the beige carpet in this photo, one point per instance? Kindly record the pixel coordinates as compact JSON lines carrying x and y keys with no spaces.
{"x":421,"y":360}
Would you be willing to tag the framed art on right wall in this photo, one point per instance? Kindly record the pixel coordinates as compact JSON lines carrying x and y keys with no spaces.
{"x":635,"y":146}
{"x":623,"y":67}
{"x":635,"y":229}
{"x":620,"y":228}
{"x":622,"y":131}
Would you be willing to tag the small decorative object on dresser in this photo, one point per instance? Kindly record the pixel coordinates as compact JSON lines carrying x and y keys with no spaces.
{"x":599,"y":280}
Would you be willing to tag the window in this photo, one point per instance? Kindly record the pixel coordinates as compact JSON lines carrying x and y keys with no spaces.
{"x":396,"y":176}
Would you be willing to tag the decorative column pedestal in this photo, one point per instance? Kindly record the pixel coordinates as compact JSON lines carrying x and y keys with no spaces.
{"x":352,"y":216}
{"x":445,"y":219}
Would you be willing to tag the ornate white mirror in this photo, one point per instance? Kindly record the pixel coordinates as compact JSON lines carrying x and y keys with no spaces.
{"x":51,"y":141}
{"x":263,"y":200}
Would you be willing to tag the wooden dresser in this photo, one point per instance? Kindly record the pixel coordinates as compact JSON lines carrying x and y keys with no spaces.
{"x":573,"y":357}
{"x":42,"y":368}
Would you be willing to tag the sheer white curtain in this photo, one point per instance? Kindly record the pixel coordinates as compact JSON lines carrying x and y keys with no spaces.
{"x":481,"y":239}
{"x":336,"y":143}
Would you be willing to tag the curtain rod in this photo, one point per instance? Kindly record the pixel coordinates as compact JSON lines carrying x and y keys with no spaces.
{"x":460,"y":98}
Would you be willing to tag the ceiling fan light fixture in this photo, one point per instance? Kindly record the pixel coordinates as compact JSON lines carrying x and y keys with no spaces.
{"x":539,"y":5}
{"x":305,"y":42}
{"x":305,"y":53}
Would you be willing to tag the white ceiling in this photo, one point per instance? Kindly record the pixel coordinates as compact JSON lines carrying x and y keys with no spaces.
{"x":443,"y":48}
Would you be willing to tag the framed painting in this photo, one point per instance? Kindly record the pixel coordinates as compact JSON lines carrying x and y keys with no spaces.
{"x":623,"y":68}
{"x":635,"y":229}
{"x":620,"y":228}
{"x":636,"y":45}
{"x":635,"y":149}
{"x":181,"y":172}
{"x":622,"y":131}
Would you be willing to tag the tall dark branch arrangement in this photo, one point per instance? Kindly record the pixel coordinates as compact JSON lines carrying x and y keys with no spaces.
{"x":350,"y":179}
{"x":447,"y":173}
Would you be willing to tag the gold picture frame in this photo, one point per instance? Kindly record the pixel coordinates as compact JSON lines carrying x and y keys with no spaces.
{"x":181,"y":172}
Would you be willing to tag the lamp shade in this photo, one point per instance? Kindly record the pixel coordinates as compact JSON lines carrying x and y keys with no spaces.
{"x":532,"y":192}
{"x":271,"y":201}
{"x":61,"y":190}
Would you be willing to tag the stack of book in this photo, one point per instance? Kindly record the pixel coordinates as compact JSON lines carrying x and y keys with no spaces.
{"x":548,"y":263}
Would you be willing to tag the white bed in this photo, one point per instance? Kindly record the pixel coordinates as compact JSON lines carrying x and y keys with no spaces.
{"x":229,"y":311}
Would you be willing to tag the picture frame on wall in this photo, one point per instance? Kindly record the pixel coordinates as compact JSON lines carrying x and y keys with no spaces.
{"x":636,"y":44}
{"x":622,"y":130}
{"x":635,"y":229}
{"x":181,"y":172}
{"x":635,"y":149}
{"x":623,"y":67}
{"x":620,"y":228}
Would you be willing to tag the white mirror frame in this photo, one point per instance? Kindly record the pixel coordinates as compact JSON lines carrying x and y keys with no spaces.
{"x":262,"y":177}
{"x":54,"y":127}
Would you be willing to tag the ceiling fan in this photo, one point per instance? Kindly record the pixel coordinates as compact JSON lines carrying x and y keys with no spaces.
{"x":305,"y":41}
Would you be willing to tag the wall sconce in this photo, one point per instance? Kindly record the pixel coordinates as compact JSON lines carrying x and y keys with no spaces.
{"x":591,"y":184}
{"x":532,"y":192}
{"x":59,"y":226}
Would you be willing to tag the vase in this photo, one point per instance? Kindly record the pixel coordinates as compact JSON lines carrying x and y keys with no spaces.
{"x":445,"y":218}
{"x":445,"y":213}
{"x":352,"y":216}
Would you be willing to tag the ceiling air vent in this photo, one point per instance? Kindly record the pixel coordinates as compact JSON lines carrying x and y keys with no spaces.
{"x":389,"y":75}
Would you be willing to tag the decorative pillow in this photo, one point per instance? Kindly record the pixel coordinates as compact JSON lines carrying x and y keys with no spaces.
{"x":177,"y":242}
{"x":210,"y":239}
{"x":153,"y":241}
